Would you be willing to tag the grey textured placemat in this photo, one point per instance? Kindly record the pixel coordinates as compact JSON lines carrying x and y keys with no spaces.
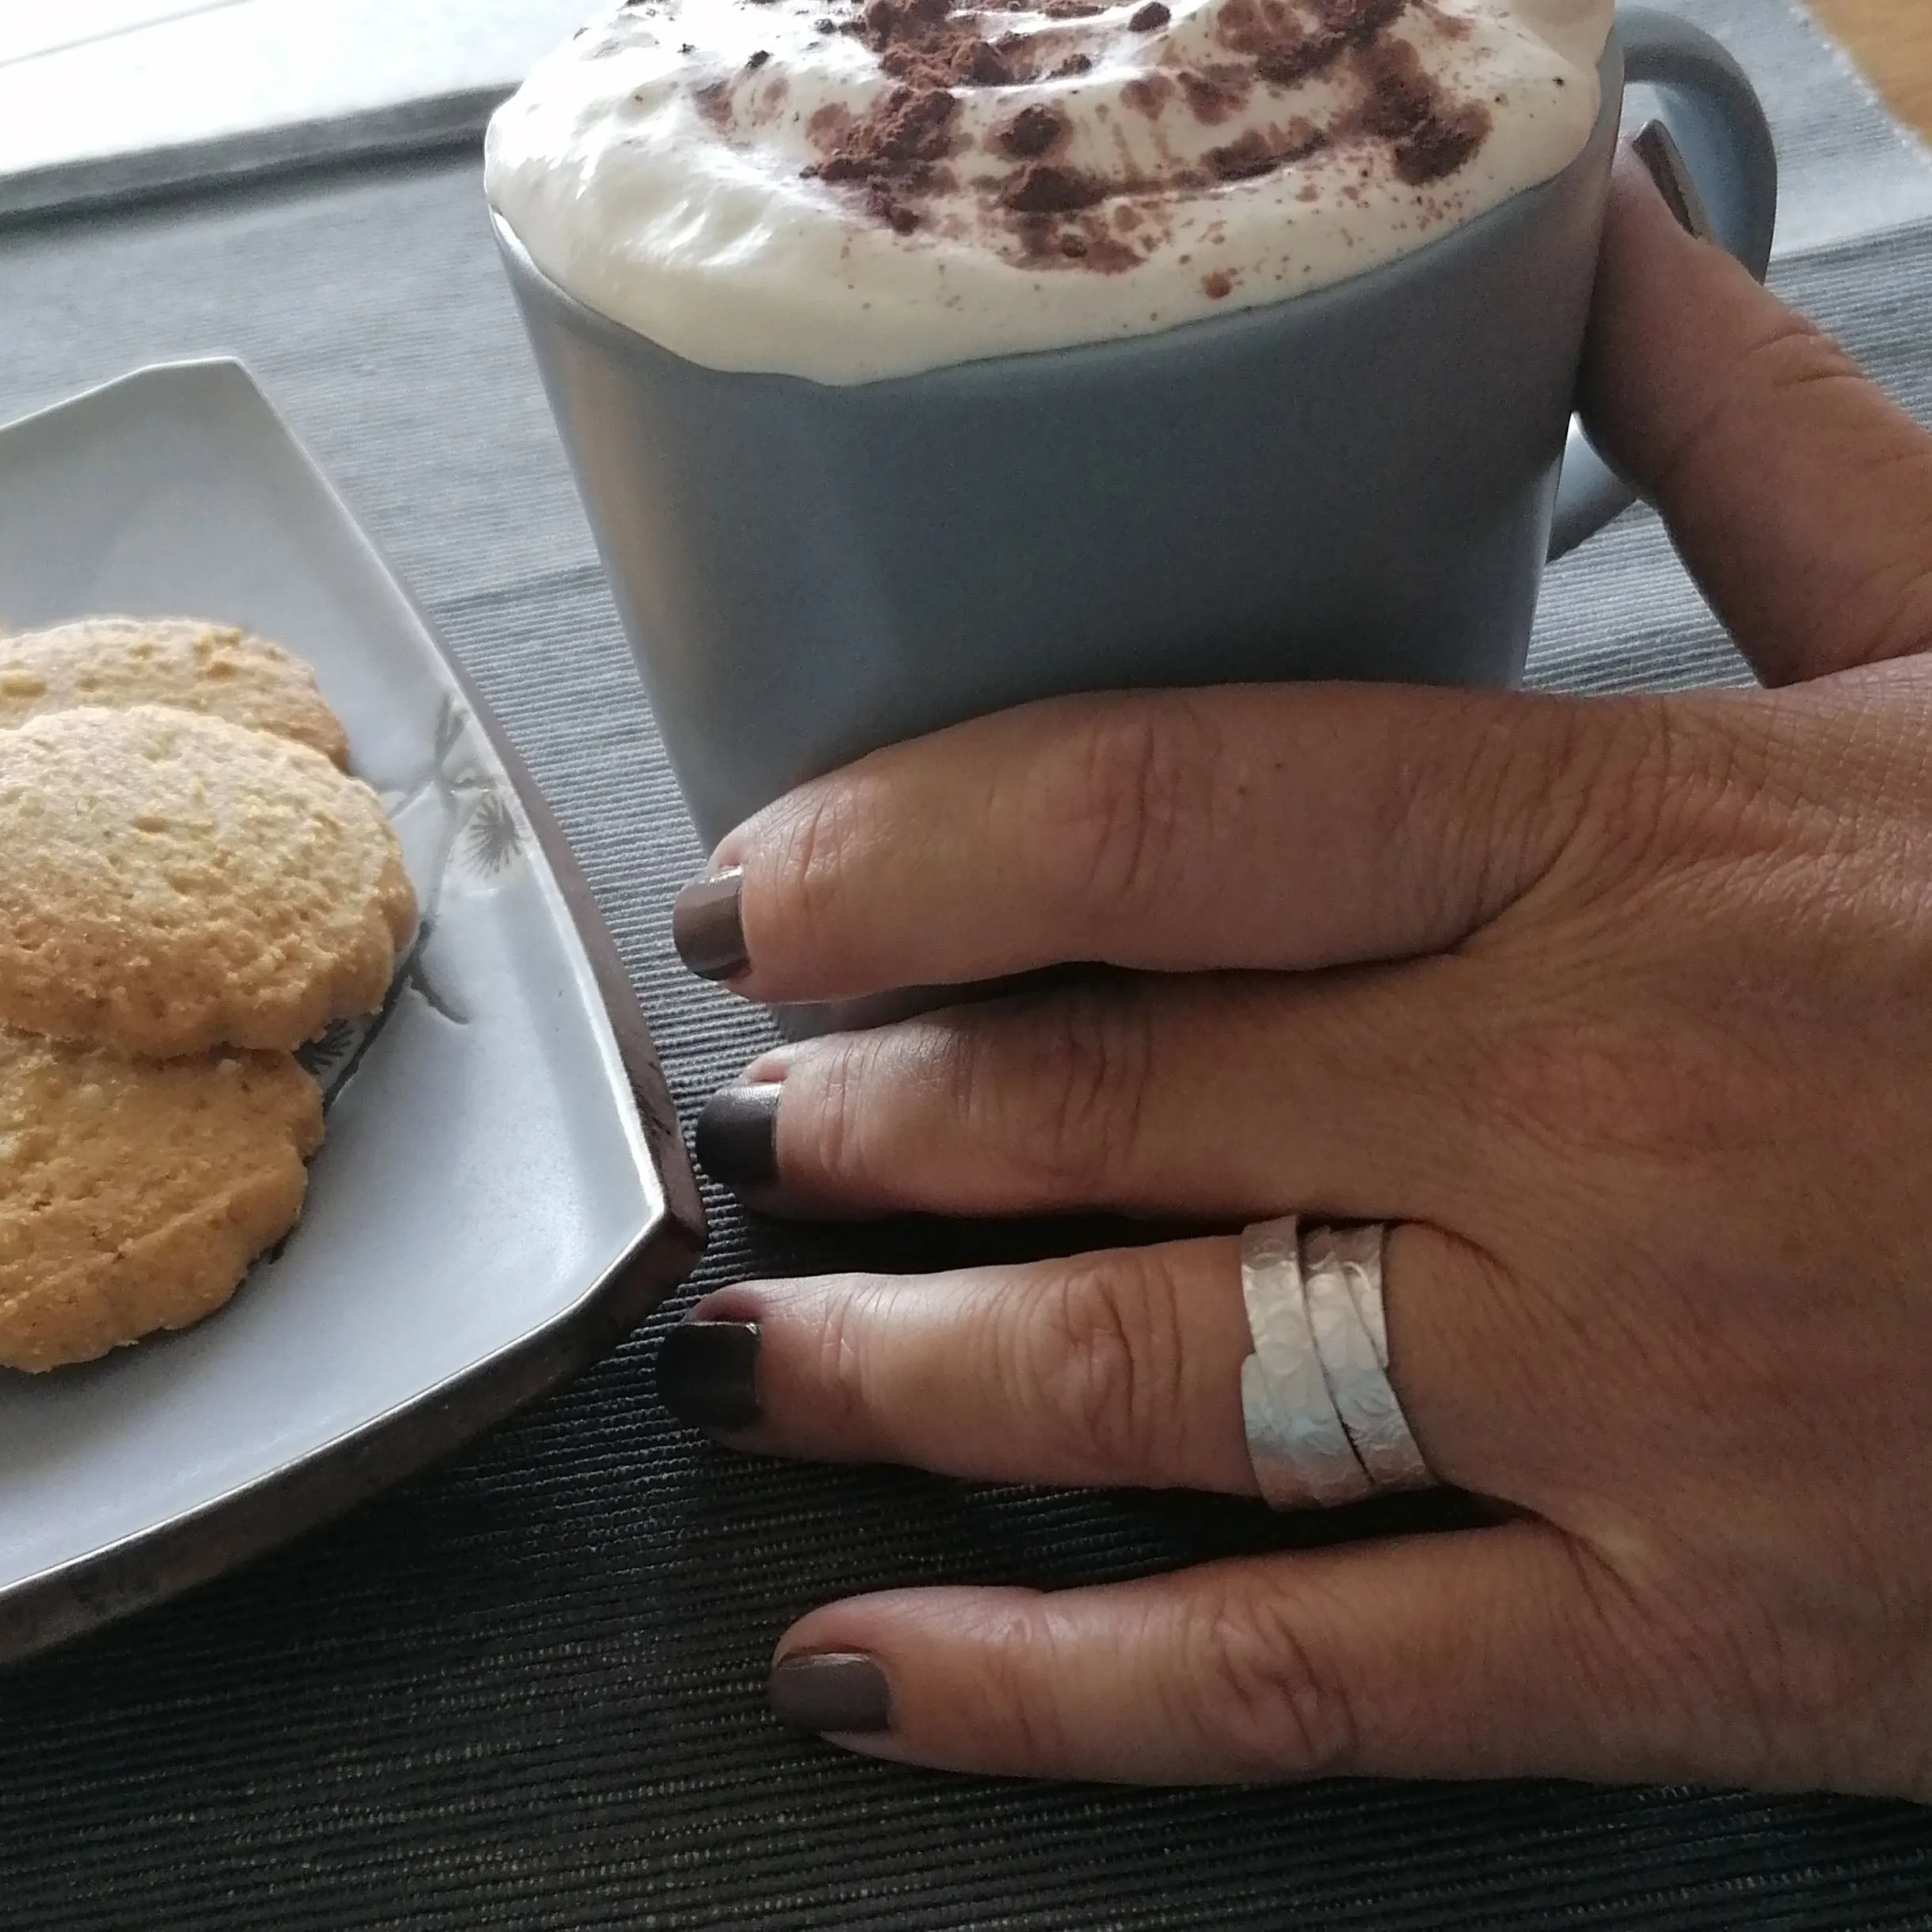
{"x":524,"y":1690}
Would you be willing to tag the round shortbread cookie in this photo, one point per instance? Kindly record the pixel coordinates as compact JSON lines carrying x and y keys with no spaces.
{"x":133,"y":1194}
{"x":118,"y":662}
{"x":171,"y":882}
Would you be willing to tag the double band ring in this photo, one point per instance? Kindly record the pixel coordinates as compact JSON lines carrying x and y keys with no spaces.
{"x":1324,"y":1427}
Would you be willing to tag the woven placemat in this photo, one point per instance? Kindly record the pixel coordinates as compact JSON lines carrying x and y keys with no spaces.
{"x":525,"y":1689}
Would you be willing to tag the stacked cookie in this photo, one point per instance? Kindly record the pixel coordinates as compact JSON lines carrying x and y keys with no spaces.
{"x":190,"y":888}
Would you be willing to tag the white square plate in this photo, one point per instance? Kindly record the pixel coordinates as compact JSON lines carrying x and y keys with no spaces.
{"x":503,"y":1194}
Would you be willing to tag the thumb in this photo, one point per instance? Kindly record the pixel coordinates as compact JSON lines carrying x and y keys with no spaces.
{"x":1800,"y":498}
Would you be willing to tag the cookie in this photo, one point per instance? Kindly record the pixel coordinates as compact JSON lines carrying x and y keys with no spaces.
{"x":171,"y":882}
{"x":201,"y":667}
{"x":133,"y":1194}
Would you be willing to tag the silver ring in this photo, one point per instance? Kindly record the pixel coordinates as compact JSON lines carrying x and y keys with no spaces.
{"x":1301,"y":1454}
{"x":1324,"y":1427}
{"x":1342,"y":1273}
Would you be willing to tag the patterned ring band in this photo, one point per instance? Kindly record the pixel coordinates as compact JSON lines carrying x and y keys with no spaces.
{"x":1324,"y":1427}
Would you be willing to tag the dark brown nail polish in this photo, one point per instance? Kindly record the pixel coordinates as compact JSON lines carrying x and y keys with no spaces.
{"x":831,"y":1692}
{"x":707,"y":925}
{"x":707,"y":1374}
{"x":1656,"y":146}
{"x":737,"y":1134}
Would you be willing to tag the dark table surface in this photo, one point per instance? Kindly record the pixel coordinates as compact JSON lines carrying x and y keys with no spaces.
{"x":524,"y":1689}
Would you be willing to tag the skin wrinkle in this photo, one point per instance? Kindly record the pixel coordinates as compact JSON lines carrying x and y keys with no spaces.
{"x":1626,"y":1626}
{"x":1259,"y":1689}
{"x":1684,"y":459}
{"x":1732,"y":1679}
{"x":1033,"y":1633}
{"x":1900,"y":621}
{"x":1136,"y":782}
{"x":842,"y":1373}
{"x":840,"y":1120}
{"x":1106,"y":1383}
{"x":814,"y":859}
{"x":1097,"y":1059}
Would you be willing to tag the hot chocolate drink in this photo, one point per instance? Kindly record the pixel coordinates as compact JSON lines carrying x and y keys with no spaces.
{"x":850,"y":191}
{"x":917,"y":359}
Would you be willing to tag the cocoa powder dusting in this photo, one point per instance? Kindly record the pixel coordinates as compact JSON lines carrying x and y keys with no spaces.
{"x":1255,"y":154}
{"x":1044,"y":189}
{"x":1078,"y":241}
{"x":893,"y":152}
{"x":1442,"y":144}
{"x":1289,"y":47}
{"x":1429,"y":135}
{"x":1149,"y":94}
{"x":897,"y":214}
{"x":1031,"y":133}
{"x":926,"y":43}
{"x":1215,"y":94}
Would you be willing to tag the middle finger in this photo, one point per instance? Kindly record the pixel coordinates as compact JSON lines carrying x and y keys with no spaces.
{"x":1217,"y":1097}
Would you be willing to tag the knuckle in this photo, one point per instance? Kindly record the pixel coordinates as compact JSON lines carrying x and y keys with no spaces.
{"x":842,"y":1388}
{"x":1061,"y":1090}
{"x":1136,"y":795}
{"x":1099,"y":1362}
{"x":1524,"y":767}
{"x":1804,"y":1696}
{"x":1633,"y":767}
{"x":1258,"y":1688}
{"x":822,"y":829}
{"x":841,"y":1142}
{"x":1019,"y":1672}
{"x":1682,"y":1674}
{"x":1665,"y":785}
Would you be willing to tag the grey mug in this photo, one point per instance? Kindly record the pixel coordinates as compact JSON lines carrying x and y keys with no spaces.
{"x":1361,"y":483}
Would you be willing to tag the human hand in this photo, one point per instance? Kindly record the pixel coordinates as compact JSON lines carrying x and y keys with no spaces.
{"x":1621,"y":1010}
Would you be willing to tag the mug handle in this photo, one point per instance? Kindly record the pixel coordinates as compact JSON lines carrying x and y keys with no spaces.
{"x":1714,"y":111}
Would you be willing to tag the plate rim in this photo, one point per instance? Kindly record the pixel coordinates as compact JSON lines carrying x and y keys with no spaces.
{"x":195,"y":1545}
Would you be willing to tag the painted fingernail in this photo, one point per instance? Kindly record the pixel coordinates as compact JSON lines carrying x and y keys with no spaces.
{"x":737,"y":1134}
{"x":831,"y":1691}
{"x":707,"y":925}
{"x":707,"y":1374}
{"x":1656,"y":146}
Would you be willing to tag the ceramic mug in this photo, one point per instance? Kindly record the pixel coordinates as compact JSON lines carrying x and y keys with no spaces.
{"x":1363,"y":483}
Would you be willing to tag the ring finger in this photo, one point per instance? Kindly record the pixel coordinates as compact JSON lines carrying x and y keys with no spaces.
{"x":1119,"y":1369}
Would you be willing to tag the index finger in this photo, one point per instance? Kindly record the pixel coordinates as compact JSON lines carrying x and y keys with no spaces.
{"x":1800,"y":496}
{"x":1250,"y":827}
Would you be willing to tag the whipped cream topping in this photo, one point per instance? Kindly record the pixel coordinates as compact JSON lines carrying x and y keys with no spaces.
{"x":849,"y":190}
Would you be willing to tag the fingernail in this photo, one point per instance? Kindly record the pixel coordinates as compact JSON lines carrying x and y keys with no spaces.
{"x":1656,"y":146}
{"x":831,"y":1692}
{"x":707,"y":925}
{"x":707,"y":1374}
{"x":737,"y":1134}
